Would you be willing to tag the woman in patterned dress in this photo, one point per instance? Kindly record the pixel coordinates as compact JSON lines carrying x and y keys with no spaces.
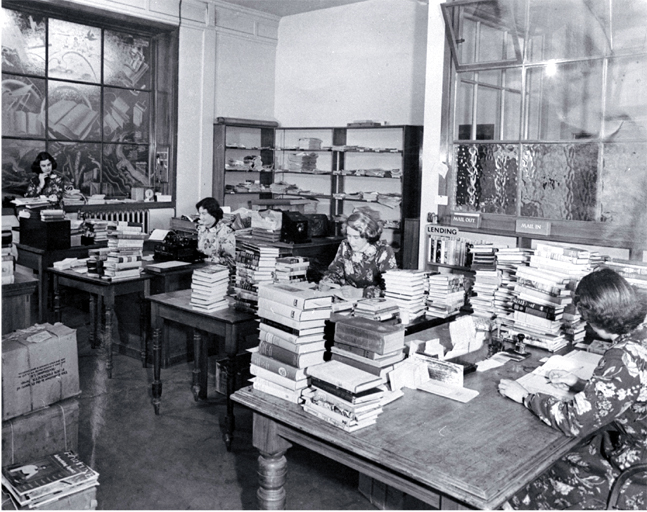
{"x":46,"y":182}
{"x":215,"y":239}
{"x":361,"y":258}
{"x":608,"y":412}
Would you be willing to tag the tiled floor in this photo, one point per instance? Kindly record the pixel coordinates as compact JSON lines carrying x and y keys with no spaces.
{"x":178,"y":460}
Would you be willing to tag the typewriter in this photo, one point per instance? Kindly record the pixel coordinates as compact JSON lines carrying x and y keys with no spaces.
{"x":177,"y":247}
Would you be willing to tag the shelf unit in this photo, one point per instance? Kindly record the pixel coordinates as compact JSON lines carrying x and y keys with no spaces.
{"x":237,"y":142}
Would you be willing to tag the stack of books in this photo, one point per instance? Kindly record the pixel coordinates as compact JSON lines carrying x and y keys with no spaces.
{"x":47,"y":215}
{"x":126,"y":249}
{"x":508,"y":259}
{"x":96,"y":260}
{"x":634,"y":272}
{"x":483,"y":256}
{"x":343,"y":396}
{"x":407,"y":289}
{"x":255,"y":265}
{"x":97,"y":229}
{"x":40,"y":483}
{"x":573,"y":327}
{"x":378,"y":308}
{"x":449,"y":250}
{"x":209,"y":288}
{"x":291,"y":269}
{"x":445,"y":295}
{"x":368,"y":345}
{"x":291,"y":334}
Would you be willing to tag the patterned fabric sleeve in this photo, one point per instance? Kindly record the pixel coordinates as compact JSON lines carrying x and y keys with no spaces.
{"x":385,"y":260}
{"x":335,"y":273}
{"x":219,"y":244}
{"x":614,"y":386}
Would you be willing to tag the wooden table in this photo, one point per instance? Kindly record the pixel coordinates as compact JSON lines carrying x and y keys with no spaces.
{"x":443,"y":452}
{"x":40,"y":260}
{"x":103,"y":294}
{"x":236,"y":331}
{"x":16,"y":301}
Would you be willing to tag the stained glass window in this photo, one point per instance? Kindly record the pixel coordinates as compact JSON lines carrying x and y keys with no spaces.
{"x":83,"y":92}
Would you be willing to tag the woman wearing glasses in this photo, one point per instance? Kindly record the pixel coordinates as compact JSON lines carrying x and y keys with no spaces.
{"x":608,"y":412}
{"x":361,"y":258}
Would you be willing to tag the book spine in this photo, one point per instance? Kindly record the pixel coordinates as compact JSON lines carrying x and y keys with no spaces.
{"x":281,"y":327}
{"x":285,"y":394}
{"x":286,"y":311}
{"x":368,"y":368}
{"x":359,"y":338}
{"x":264,"y":326}
{"x":357,"y":350}
{"x":324,"y":416}
{"x":554,"y":291}
{"x":263,"y":312}
{"x":279,"y":353}
{"x":273,"y":339}
{"x":275,"y":366}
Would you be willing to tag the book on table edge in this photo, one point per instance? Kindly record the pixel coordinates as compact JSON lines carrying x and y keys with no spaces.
{"x":365,"y":353}
{"x":277,"y":379}
{"x":371,"y":343}
{"x":166,"y":266}
{"x":298,"y":360}
{"x":363,"y":326}
{"x":275,"y":390}
{"x":380,"y":361}
{"x":343,"y":394}
{"x":331,"y":400}
{"x":333,"y":421}
{"x":341,"y":416}
{"x":344,"y":376}
{"x":272,"y":365}
{"x":297,"y":348}
{"x":378,"y":371}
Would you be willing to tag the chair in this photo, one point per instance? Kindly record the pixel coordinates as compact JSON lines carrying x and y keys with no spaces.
{"x":612,"y":502}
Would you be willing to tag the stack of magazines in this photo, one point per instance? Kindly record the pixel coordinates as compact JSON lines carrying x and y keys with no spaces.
{"x":43,"y":481}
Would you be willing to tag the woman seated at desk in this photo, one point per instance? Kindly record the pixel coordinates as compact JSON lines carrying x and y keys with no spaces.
{"x":215,"y":239}
{"x":609,"y":411}
{"x":361,"y":258}
{"x":46,"y":183}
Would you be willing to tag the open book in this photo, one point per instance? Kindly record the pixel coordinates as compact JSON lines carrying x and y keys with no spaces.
{"x":578,"y":362}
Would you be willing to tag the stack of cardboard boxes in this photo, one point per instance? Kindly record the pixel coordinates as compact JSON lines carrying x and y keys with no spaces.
{"x":40,"y":407}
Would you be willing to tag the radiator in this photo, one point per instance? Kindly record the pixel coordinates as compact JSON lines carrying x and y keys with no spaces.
{"x":139,"y":216}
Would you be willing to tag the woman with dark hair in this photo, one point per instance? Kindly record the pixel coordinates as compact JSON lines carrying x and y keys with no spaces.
{"x":608,"y":412}
{"x":46,"y":182}
{"x":361,"y":258}
{"x":215,"y":238}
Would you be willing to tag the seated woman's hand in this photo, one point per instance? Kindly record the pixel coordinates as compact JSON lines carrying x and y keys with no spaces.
{"x":562,"y":379}
{"x":513,"y":390}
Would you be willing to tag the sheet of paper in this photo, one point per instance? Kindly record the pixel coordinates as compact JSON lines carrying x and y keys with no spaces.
{"x":443,"y":389}
{"x":488,"y":364}
{"x":434,"y":348}
{"x":410,"y":374}
{"x":158,"y":235}
{"x":462,"y":332}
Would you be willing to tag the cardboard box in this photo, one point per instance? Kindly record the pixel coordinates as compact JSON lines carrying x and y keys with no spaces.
{"x":49,"y":430}
{"x":40,"y":366}
{"x":82,"y":500}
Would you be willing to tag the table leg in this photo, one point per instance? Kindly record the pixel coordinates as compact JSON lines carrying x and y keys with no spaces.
{"x":107,"y":338}
{"x":157,"y":363}
{"x":92,"y":335}
{"x":57,"y":301}
{"x":272,"y":464}
{"x":43,"y":290}
{"x":231,"y":333}
{"x":143,"y":327}
{"x":200,"y":361}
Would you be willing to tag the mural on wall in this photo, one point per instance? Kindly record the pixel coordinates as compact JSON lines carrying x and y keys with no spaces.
{"x":99,"y":135}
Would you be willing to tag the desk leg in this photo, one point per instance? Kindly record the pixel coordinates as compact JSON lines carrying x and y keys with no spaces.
{"x":200,"y":366}
{"x":57,"y":301}
{"x":157,"y":363}
{"x":231,"y":333}
{"x":143,"y":327}
{"x":272,"y":464}
{"x":92,"y":335}
{"x":43,"y":290}
{"x":108,"y":338}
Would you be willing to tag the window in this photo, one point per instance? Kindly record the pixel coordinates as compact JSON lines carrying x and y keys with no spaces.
{"x":92,"y":91}
{"x":547,"y":116}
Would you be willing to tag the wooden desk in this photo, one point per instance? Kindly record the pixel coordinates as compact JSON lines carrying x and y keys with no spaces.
{"x":236,"y":331}
{"x":40,"y":260}
{"x":102,"y":296}
{"x":16,"y":302}
{"x":440,"y":451}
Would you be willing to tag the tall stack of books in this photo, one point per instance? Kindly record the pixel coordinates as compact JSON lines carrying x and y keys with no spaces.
{"x":209,"y":288}
{"x":445,"y":295}
{"x":255,"y":265}
{"x":97,"y":229}
{"x":486,"y":280}
{"x":43,"y":482}
{"x":368,"y":345}
{"x":343,"y":396}
{"x":126,"y":249}
{"x":291,"y":269}
{"x":377,"y":308}
{"x":543,"y":291}
{"x":291,"y":333}
{"x":407,"y":289}
{"x":573,"y":327}
{"x":508,"y":259}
